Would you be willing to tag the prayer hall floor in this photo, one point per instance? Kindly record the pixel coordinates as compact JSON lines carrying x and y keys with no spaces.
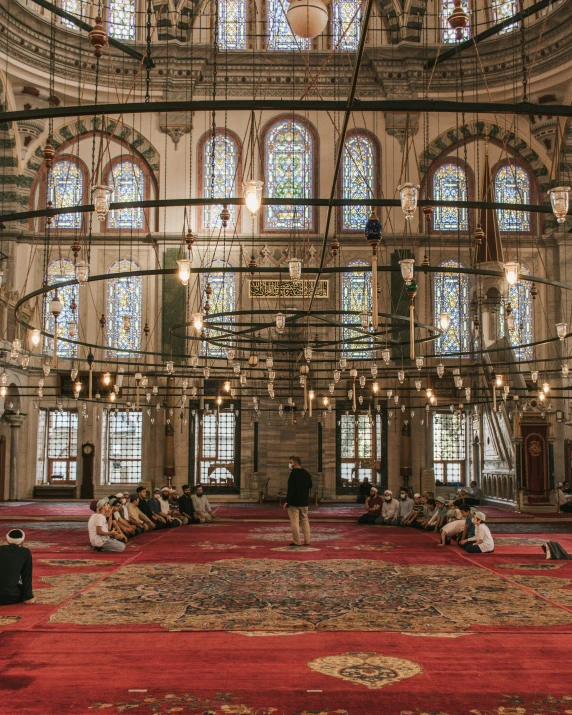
{"x":226,"y":618}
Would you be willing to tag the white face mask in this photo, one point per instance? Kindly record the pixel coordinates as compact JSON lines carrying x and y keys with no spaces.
{"x":290,"y":466}
{"x":403,"y":496}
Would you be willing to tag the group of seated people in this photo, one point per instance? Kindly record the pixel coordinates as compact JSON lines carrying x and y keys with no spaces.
{"x":565,"y":497}
{"x":122,"y":516}
{"x":453,"y":519}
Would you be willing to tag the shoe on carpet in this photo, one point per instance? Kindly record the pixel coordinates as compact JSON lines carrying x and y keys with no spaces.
{"x":293,"y":544}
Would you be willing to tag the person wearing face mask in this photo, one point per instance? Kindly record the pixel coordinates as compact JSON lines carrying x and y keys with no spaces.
{"x":119,"y":521}
{"x":404,"y":508}
{"x":297,"y":498}
{"x":388,"y":509}
{"x":482,"y":542}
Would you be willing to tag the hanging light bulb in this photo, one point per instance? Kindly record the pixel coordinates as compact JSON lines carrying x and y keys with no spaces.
{"x":25,"y":361}
{"x":343,"y":363}
{"x":3,"y":391}
{"x":15,"y":348}
{"x":271,"y":375}
{"x":230,"y":353}
{"x":236,"y":368}
{"x":325,"y":401}
{"x":389,"y":394}
{"x":36,"y":336}
{"x":243,"y":380}
{"x":337,"y":375}
{"x":559,"y":198}
{"x":458,"y":382}
{"x":81,"y":272}
{"x":374,"y":371}
{"x":227,"y":386}
{"x":407,"y":269}
{"x":302,"y":380}
{"x":77,"y":388}
{"x":408,"y":194}
{"x":440,"y":369}
{"x":511,"y":272}
{"x":295,"y":269}
{"x":72,"y":329}
{"x":541,"y":396}
{"x":269,"y":362}
{"x":396,"y":399}
{"x":101,"y":197}
{"x":362,"y":381}
{"x":360,"y":399}
{"x":419,"y":360}
{"x":545,"y":388}
{"x":429,"y":393}
{"x":364,"y":320}
{"x":184,"y":270}
{"x":155,"y":389}
{"x":468,"y":393}
{"x":510,"y":321}
{"x":198,"y":321}
{"x":126,"y":323}
{"x":206,"y":372}
{"x":331,"y":388}
{"x":350,"y":394}
{"x":280,"y":322}
{"x":386,"y":355}
{"x":375,"y":388}
{"x":444,"y":321}
{"x":418,"y":385}
{"x":55,"y":306}
{"x":534,"y":375}
{"x":73,"y":373}
{"x":112,"y":397}
{"x":145,"y":381}
{"x":498,"y":380}
{"x":561,"y":330}
{"x":565,"y":368}
{"x":253,"y":195}
{"x":107,"y":378}
{"x":46,"y":367}
{"x":308,"y":353}
{"x":401,"y":375}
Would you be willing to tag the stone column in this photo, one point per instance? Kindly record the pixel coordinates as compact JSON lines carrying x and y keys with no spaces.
{"x":15,"y":421}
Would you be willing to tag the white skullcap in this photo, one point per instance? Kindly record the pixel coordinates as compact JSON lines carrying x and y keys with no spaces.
{"x":373,"y":489}
{"x":164,"y":489}
{"x":480,"y":515}
{"x":386,"y":492}
{"x":102,"y":502}
{"x":417,"y":495}
{"x":15,"y":536}
{"x":120,"y":495}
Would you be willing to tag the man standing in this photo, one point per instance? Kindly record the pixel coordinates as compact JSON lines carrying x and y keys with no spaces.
{"x":15,"y":570}
{"x":299,"y":485}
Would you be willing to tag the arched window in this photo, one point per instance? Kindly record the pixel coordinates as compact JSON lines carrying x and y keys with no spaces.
{"x":503,"y":9}
{"x":231,"y":25}
{"x":280,"y":36}
{"x":74,"y":7}
{"x":121,"y":19}
{"x":512,"y":186}
{"x":65,"y":188}
{"x":289,"y":152}
{"x":222,"y":300}
{"x":451,"y":295}
{"x":358,"y":179}
{"x":346,"y":21}
{"x":60,"y":270}
{"x":124,"y":310}
{"x":450,"y":184}
{"x":356,"y":296}
{"x":447,"y":34}
{"x":520,"y":301}
{"x":220,"y":178}
{"x":128,"y":182}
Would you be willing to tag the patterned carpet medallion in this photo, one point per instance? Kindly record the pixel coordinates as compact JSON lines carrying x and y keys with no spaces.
{"x":372,"y":670}
{"x":284,"y":533}
{"x":326,"y":595}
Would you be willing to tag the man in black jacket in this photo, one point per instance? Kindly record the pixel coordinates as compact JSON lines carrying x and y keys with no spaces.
{"x":15,"y":570}
{"x":186,"y":507}
{"x":299,"y":485}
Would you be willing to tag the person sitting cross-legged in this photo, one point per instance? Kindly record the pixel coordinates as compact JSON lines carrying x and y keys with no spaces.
{"x":203,"y":510}
{"x":405,"y":506}
{"x":117,"y":522}
{"x":174,"y":506}
{"x":100,"y":537}
{"x":15,"y":570}
{"x":439,"y":516}
{"x":136,"y":516}
{"x":155,"y":506}
{"x":455,"y":526}
{"x":151,"y":510}
{"x":482,"y":542}
{"x":416,"y":510}
{"x":373,"y":504}
{"x":429,"y":510}
{"x":388,"y":509}
{"x":166,"y":509}
{"x":186,"y":507}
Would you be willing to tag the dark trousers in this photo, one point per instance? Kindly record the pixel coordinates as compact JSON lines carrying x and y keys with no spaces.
{"x":567,"y":508}
{"x":472,"y":548}
{"x":367,"y":519}
{"x":472,"y":501}
{"x":9,"y":598}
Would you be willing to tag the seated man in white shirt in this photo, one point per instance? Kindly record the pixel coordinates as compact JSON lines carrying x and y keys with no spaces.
{"x":100,"y":537}
{"x":482,"y":542}
{"x":388,"y":510}
{"x":203,"y":511}
{"x":564,"y":500}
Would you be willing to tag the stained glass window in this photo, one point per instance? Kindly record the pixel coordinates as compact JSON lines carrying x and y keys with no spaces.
{"x":346,"y":20}
{"x":447,"y":33}
{"x":65,"y":188}
{"x":60,"y":270}
{"x":128,"y":182}
{"x":512,"y":186}
{"x":280,"y":36}
{"x":356,"y":296}
{"x":289,"y":174}
{"x":358,"y":179}
{"x":74,"y":7}
{"x":452,"y":296}
{"x":503,"y":9}
{"x":450,"y":184}
{"x":124,"y":310}
{"x":231,"y":34}
{"x":220,"y":182}
{"x":122,"y":19}
{"x":222,"y":300}
{"x":520,"y":301}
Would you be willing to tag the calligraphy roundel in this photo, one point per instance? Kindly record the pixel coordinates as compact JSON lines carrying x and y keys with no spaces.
{"x":534,"y":448}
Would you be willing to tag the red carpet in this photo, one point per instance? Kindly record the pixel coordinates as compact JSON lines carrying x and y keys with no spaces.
{"x":225,"y":619}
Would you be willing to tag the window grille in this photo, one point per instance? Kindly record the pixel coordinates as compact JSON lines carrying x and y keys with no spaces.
{"x":449,"y":448}
{"x":124,"y":446}
{"x":217,"y":434}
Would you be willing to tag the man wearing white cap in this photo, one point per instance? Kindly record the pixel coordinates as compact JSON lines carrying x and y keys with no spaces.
{"x":100,"y":537}
{"x":15,"y":570}
{"x":388,"y":510}
{"x":482,"y":542}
